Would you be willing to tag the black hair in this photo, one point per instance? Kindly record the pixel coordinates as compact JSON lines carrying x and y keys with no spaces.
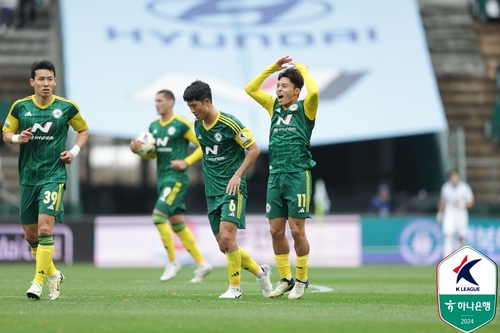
{"x":294,"y":76}
{"x":42,"y":64}
{"x":167,"y":93}
{"x":197,"y":91}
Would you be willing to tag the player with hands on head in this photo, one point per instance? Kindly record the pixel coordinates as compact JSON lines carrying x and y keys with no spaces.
{"x":173,"y":133}
{"x":42,"y":121}
{"x":224,"y":141}
{"x":290,"y":160}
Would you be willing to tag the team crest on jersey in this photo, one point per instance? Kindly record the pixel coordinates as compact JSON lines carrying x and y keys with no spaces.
{"x":171,"y":130}
{"x":293,"y":107}
{"x":218,"y":137}
{"x":57,"y":113}
{"x":155,"y":131}
{"x":268,"y":208}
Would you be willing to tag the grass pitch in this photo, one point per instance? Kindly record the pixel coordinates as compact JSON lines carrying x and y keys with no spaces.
{"x":367,"y":299}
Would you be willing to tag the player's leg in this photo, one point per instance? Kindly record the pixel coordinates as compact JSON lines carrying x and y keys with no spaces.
{"x":449,"y":231}
{"x":51,"y":209}
{"x":276,"y":212}
{"x":164,"y":208}
{"x":463,"y":229}
{"x":189,"y":242}
{"x":298,"y":197}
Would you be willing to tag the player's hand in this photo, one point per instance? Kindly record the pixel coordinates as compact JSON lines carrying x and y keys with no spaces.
{"x":439,"y":218}
{"x":25,"y":136}
{"x":67,"y":157}
{"x":179,"y":165}
{"x":233,"y":187}
{"x":283,"y":61}
{"x":135,"y":145}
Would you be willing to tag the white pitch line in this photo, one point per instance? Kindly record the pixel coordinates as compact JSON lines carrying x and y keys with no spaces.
{"x":320,"y":289}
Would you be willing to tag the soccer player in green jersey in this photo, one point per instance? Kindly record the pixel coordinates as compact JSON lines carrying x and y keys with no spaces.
{"x":289,"y":183}
{"x":39,"y":124}
{"x":223,"y":140}
{"x":173,"y":134}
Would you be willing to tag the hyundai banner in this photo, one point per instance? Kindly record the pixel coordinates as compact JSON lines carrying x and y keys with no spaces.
{"x":369,"y":58}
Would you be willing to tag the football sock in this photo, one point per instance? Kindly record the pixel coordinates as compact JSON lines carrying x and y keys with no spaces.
{"x":283,"y":265}
{"x":234,"y":267}
{"x":301,"y":267}
{"x":52,"y":268}
{"x":166,"y":235}
{"x":188,"y":241}
{"x":44,"y":255}
{"x":248,"y":263}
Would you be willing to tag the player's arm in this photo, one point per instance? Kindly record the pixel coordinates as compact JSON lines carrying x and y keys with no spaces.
{"x":196,"y":155}
{"x":311,"y":101}
{"x":259,"y":95}
{"x":81,"y":127}
{"x":439,"y":216}
{"x":11,"y":127}
{"x":246,"y":140}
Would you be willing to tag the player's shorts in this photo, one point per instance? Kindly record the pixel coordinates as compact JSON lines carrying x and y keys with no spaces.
{"x":289,"y":195}
{"x":456,"y":224}
{"x":171,"y":198}
{"x":227,"y":208}
{"x":42,"y":199}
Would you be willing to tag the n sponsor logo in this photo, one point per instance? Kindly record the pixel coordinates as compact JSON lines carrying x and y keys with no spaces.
{"x":212,"y":150}
{"x":162,"y":142}
{"x":287,"y":120}
{"x":46,"y":128}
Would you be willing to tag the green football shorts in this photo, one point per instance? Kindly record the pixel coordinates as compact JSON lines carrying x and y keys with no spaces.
{"x":42,"y":199}
{"x":171,"y":198}
{"x":289,"y":195}
{"x":228,"y":208}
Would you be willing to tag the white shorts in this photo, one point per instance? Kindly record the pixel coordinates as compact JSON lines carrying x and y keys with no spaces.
{"x":456,"y":224}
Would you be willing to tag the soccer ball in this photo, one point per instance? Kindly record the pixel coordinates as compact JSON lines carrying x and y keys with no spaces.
{"x":148,"y":148}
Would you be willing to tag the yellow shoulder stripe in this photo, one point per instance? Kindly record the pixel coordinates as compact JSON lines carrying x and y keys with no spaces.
{"x":231,"y":123}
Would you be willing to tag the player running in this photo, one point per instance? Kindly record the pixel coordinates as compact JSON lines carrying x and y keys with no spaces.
{"x":173,"y":134}
{"x":39,"y":124}
{"x":289,"y":183}
{"x":223,"y":140}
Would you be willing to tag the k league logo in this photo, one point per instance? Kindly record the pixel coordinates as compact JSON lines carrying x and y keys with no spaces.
{"x":217,"y":13}
{"x":467,"y":288}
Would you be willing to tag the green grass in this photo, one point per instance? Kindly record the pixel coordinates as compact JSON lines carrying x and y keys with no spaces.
{"x":367,"y":299}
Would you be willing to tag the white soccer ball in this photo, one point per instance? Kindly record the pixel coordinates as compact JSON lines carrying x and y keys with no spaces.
{"x":148,"y":147}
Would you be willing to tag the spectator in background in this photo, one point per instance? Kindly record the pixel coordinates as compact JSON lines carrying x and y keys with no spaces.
{"x":7,"y":10}
{"x":456,"y":198}
{"x":27,"y":13}
{"x":381,"y":203}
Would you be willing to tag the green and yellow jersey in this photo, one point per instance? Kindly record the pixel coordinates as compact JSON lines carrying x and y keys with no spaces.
{"x":223,"y":145}
{"x":172,"y":143}
{"x":291,"y":129}
{"x":39,"y":159}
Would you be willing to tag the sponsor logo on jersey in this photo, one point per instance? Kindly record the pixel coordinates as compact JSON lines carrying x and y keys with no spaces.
{"x":28,"y":114}
{"x":162,"y":141}
{"x":288,"y":121}
{"x":57,"y":113}
{"x":213,"y":151}
{"x":301,"y":210}
{"x":218,"y":137}
{"x":46,"y":128}
{"x":171,"y":131}
{"x":199,"y":137}
{"x":51,"y":207}
{"x":278,"y":110}
{"x":6,"y":124}
{"x":231,"y":214}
